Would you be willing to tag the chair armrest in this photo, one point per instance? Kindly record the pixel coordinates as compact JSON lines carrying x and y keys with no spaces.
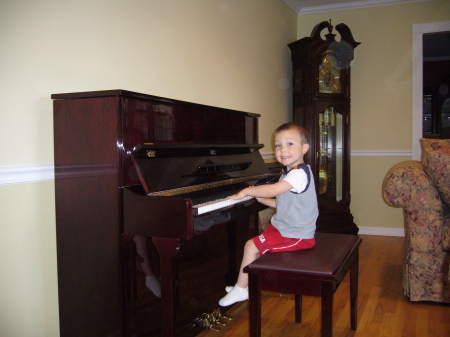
{"x":407,"y":185}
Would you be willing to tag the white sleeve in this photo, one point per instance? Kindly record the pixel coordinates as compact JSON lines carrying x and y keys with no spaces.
{"x":298,"y":179}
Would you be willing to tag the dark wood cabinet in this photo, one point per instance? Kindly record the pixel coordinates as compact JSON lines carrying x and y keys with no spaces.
{"x":321,"y":102}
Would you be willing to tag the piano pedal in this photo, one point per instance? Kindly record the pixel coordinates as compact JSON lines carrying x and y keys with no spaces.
{"x":206,"y":321}
{"x":227,"y":317}
{"x":210,"y":322}
{"x":213,"y":328}
{"x":283,"y":295}
{"x":218,"y":313}
{"x":216,"y":319}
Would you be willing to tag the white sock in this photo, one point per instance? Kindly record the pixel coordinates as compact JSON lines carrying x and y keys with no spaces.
{"x":152,"y":283}
{"x":237,"y":294}
{"x":228,"y":288}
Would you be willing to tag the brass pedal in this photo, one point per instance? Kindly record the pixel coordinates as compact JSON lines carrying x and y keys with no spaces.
{"x":205,"y":321}
{"x":218,"y":313}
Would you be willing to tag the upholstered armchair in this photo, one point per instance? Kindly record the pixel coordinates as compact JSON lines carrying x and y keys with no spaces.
{"x":422,"y":189}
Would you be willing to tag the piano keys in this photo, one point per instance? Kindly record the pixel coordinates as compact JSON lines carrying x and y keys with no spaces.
{"x":216,"y":204}
{"x":102,"y":145}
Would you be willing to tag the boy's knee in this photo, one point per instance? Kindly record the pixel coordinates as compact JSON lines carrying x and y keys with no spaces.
{"x":250,"y":245}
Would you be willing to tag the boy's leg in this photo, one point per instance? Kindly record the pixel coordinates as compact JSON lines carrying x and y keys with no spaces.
{"x":251,"y":253}
{"x":240,"y":290}
{"x":151,"y":281}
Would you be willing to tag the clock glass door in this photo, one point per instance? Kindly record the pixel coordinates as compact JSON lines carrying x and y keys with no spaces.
{"x":329,"y":75}
{"x":330,"y":154}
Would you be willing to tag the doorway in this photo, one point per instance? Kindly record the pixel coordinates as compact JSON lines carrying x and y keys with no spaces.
{"x":419,"y":30}
{"x":436,"y":83}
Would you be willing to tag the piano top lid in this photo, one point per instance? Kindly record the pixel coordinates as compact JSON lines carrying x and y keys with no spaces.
{"x":163,"y":167}
{"x":145,"y":97}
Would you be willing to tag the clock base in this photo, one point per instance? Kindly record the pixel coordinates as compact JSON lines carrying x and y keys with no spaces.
{"x":336,"y":223}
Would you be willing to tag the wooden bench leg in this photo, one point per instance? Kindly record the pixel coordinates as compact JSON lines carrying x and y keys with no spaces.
{"x":354,"y":294}
{"x":254,"y":299}
{"x":298,"y":308}
{"x":327,"y":308}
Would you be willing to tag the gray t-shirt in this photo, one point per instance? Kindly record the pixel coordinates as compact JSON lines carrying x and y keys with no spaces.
{"x":297,"y":209}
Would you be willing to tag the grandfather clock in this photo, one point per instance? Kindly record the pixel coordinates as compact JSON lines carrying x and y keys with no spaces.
{"x":321,"y":94}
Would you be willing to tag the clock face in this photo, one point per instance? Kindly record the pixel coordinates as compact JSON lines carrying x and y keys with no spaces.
{"x":329,"y":76}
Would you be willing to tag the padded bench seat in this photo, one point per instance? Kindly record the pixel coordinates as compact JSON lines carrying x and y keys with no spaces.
{"x":313,"y":272}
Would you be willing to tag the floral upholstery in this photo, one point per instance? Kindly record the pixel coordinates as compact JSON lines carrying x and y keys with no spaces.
{"x":420,"y":189}
{"x":436,"y":163}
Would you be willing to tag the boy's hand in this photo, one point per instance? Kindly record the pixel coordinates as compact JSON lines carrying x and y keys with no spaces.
{"x":239,"y":195}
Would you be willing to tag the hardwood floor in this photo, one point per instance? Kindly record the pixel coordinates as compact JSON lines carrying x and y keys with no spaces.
{"x":383,"y":310}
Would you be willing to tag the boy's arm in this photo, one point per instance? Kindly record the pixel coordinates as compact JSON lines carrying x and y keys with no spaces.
{"x":268,"y":202}
{"x":263,"y":191}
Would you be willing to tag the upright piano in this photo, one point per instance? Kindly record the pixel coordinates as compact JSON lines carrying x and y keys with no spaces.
{"x":130,"y":165}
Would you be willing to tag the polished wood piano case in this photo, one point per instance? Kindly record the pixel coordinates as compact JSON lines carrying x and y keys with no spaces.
{"x":101,"y":292}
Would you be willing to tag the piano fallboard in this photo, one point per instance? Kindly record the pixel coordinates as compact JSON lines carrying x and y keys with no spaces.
{"x":188,"y":167}
{"x":177,"y":179}
{"x":176,"y":216}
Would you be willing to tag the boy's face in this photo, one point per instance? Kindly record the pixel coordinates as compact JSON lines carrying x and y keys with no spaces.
{"x":289,"y":149}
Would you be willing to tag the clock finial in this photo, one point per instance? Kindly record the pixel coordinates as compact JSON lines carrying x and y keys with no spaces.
{"x":330,"y":27}
{"x":330,"y":36}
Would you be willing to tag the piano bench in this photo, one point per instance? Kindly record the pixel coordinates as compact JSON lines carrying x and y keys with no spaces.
{"x":313,"y":272}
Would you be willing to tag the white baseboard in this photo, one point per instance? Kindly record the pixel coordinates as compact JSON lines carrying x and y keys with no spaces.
{"x":382,"y":231}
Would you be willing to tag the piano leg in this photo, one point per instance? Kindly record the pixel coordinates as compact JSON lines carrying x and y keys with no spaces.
{"x":168,"y":250}
{"x":232,"y":274}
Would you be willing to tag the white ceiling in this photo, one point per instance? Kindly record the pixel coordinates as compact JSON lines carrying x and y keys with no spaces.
{"x":316,"y":6}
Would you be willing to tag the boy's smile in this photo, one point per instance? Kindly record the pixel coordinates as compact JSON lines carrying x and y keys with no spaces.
{"x":289,"y":149}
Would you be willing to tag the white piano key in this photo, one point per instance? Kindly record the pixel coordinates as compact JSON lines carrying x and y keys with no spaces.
{"x":216,"y":204}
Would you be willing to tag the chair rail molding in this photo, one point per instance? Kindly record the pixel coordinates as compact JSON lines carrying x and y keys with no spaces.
{"x":22,"y":174}
{"x":364,"y":153}
{"x":381,"y":153}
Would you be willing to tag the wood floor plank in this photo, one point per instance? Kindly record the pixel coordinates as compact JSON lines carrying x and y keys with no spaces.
{"x":383,"y":310}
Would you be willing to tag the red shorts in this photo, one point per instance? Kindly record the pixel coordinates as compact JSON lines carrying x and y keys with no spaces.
{"x":272,"y":241}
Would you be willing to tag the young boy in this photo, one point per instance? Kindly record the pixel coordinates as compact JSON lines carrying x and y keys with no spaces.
{"x":294,"y":196}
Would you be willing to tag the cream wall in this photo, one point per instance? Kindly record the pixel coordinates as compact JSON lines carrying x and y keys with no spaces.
{"x":381,"y":113}
{"x":230,"y":54}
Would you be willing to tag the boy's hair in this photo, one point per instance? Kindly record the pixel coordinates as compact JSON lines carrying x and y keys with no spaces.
{"x":297,"y":127}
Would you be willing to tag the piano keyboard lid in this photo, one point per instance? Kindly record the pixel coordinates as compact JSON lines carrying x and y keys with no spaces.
{"x":174,"y":167}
